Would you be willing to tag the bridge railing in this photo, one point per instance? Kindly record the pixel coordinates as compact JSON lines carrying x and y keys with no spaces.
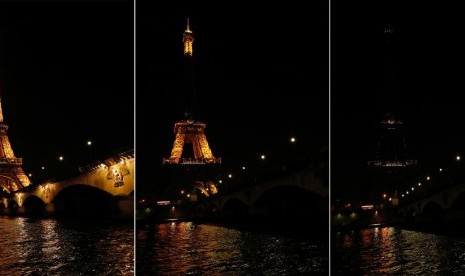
{"x":107,"y":161}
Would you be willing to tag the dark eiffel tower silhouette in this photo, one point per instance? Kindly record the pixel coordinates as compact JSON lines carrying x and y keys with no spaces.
{"x":392,"y":164}
{"x":191,"y":160}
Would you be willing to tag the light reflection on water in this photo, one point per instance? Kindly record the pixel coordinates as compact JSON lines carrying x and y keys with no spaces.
{"x":180,"y":248}
{"x":391,"y":250}
{"x":51,"y":247}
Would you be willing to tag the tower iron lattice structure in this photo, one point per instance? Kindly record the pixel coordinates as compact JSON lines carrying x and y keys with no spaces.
{"x":391,"y":148}
{"x":12,"y":176}
{"x":391,"y":165}
{"x":189,"y":133}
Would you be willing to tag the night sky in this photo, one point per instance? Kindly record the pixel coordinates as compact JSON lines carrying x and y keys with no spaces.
{"x":67,"y":76}
{"x":429,"y":83}
{"x":262,"y":77}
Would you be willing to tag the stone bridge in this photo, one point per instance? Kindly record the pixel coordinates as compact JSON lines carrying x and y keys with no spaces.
{"x":105,"y":187}
{"x":300,"y":193}
{"x":448,"y":204}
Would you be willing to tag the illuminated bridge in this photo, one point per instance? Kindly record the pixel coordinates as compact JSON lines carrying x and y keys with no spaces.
{"x":105,"y":188}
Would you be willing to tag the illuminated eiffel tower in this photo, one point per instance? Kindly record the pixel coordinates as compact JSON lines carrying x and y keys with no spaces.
{"x":190,"y":147}
{"x":12,"y":176}
{"x":189,"y":131}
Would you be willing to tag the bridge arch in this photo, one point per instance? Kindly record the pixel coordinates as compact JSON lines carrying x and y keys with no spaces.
{"x":459,"y":202}
{"x":13,"y":207}
{"x":291,"y":202}
{"x":457,"y":208}
{"x":83,"y":200}
{"x":411,"y":212}
{"x":433,"y":212}
{"x":34,"y":206}
{"x":235,"y":207}
{"x":211,"y":208}
{"x":200,"y":209}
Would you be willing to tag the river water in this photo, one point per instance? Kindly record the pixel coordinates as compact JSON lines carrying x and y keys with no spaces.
{"x":187,"y":248}
{"x":391,"y":250}
{"x":52,"y":247}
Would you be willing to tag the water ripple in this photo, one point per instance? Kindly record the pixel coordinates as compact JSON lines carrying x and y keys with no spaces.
{"x":187,"y":248}
{"x":392,"y":250}
{"x":51,"y":247}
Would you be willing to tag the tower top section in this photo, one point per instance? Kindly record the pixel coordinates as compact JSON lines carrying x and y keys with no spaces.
{"x":188,"y":40}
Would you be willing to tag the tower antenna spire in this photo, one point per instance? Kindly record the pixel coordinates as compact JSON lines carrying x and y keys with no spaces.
{"x":188,"y":40}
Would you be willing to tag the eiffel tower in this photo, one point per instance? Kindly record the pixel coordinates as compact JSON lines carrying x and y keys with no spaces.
{"x":189,"y":133}
{"x":12,"y":176}
{"x":392,"y":165}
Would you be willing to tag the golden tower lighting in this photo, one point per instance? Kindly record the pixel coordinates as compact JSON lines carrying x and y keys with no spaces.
{"x":12,"y":176}
{"x":188,"y":40}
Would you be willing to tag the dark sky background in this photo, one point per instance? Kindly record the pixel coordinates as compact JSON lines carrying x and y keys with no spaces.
{"x":67,"y":76}
{"x":429,"y":83}
{"x":261,"y":75}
